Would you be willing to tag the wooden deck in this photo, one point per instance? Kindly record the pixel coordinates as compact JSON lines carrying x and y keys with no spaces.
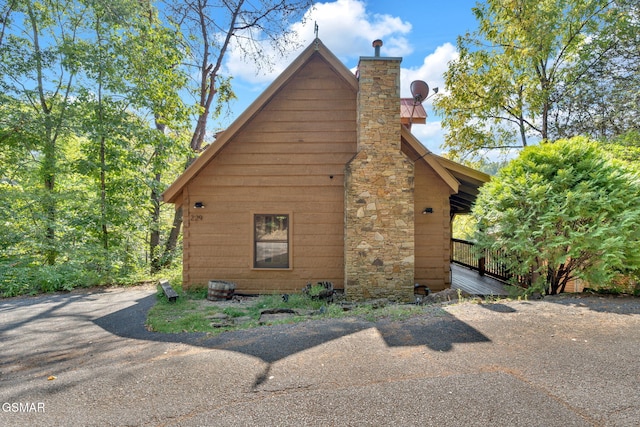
{"x":471,"y":282}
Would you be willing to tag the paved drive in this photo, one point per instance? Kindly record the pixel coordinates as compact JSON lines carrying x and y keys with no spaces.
{"x":84,"y":359}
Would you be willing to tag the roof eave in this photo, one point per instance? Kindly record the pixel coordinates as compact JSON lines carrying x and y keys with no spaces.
{"x":430,"y":159}
{"x":172,"y":193}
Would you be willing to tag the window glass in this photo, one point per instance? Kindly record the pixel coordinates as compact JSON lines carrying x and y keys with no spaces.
{"x":271,"y":241}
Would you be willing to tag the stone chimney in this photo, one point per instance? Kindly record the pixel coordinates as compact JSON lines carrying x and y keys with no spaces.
{"x":379,"y":182}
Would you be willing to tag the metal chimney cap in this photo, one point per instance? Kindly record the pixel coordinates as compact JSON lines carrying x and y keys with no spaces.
{"x":376,"y":44}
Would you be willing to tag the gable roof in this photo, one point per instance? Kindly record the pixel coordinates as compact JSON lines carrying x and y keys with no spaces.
{"x":316,"y":48}
{"x":463,"y":181}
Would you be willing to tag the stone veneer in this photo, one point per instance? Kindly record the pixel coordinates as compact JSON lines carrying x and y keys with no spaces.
{"x":379,"y":184}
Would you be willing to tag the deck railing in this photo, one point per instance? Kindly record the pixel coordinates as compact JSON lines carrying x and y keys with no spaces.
{"x":485,"y":262}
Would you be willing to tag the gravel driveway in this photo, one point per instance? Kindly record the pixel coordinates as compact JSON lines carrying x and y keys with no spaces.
{"x":85,"y":358}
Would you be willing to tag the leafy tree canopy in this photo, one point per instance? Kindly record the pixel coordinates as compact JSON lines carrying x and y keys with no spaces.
{"x":562,"y":211}
{"x":97,"y":116}
{"x":542,"y":70}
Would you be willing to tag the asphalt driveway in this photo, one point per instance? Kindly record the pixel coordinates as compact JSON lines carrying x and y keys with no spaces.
{"x":85,"y":358}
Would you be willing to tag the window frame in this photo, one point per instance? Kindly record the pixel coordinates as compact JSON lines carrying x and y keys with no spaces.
{"x":254,"y":241}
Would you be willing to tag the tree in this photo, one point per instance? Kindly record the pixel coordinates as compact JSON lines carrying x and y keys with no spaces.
{"x":601,"y":101}
{"x":625,"y":147}
{"x":95,"y":110}
{"x":519,"y":73}
{"x":212,"y":28}
{"x":79,"y":82}
{"x":562,"y":211}
{"x":30,"y":69}
{"x":132,"y":65}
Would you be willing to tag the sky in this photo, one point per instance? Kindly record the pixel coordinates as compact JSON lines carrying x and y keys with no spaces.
{"x":422,"y":32}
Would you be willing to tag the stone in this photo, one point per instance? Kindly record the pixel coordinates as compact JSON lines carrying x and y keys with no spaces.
{"x":386,"y":181}
{"x":364,"y":245}
{"x":447,"y":295}
{"x":241,"y":320}
{"x":275,"y":315}
{"x":409,"y":260}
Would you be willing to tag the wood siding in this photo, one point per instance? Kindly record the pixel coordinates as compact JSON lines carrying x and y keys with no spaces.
{"x":432,"y":230}
{"x":288,"y":159}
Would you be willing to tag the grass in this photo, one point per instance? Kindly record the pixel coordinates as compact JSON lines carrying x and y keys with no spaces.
{"x":192,"y":312}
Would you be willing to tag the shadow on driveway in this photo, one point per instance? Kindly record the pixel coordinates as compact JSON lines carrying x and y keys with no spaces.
{"x":438,"y":331}
{"x":617,"y":304}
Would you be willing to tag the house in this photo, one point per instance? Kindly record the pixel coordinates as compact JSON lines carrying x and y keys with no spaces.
{"x":318,"y":180}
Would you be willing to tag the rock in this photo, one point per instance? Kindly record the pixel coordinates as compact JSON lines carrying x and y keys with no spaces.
{"x":347,"y":306}
{"x":222,"y":323}
{"x":378,"y":303}
{"x":241,"y":320}
{"x":278,"y":311}
{"x":275,"y":315}
{"x":446,"y":296}
{"x":220,"y":320}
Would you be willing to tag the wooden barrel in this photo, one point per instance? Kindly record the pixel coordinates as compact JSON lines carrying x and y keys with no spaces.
{"x":220,"y":290}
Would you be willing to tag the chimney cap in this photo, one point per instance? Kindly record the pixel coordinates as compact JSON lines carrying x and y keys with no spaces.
{"x":376,"y":45}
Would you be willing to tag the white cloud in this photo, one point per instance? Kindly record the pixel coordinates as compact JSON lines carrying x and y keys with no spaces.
{"x":348,"y":30}
{"x":344,"y":26}
{"x":431,"y":71}
{"x":431,"y":135}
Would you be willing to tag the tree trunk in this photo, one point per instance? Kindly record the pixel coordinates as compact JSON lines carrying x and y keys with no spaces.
{"x":155,"y":256}
{"x":172,"y":241}
{"x":49,"y":202}
{"x":49,"y":163}
{"x":208,"y":91}
{"x":103,"y":193}
{"x":154,"y":238}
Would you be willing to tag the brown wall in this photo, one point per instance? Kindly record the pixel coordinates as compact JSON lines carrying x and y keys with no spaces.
{"x":432,"y":230}
{"x":288,"y":159}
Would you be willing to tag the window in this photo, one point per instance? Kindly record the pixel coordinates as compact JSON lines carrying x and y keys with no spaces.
{"x":271,"y":241}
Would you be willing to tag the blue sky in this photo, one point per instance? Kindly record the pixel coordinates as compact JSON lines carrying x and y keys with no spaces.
{"x":423,"y":33}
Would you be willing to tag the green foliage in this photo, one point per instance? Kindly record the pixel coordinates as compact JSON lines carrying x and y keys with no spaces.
{"x":192,"y":313}
{"x":95,"y":116}
{"x":79,"y":156}
{"x":540,"y":70}
{"x":625,"y":147}
{"x":20,"y":277}
{"x":463,"y":227}
{"x":560,"y":211}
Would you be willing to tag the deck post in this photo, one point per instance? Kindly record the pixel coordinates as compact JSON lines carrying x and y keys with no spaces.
{"x":482,"y":265}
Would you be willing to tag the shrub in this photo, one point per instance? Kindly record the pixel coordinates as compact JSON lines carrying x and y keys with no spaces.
{"x":563,"y":210}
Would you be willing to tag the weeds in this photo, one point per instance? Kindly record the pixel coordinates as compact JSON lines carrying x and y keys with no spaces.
{"x":193,"y":313}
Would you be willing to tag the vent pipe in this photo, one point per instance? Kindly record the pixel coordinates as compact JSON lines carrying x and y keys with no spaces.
{"x":376,"y":44}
